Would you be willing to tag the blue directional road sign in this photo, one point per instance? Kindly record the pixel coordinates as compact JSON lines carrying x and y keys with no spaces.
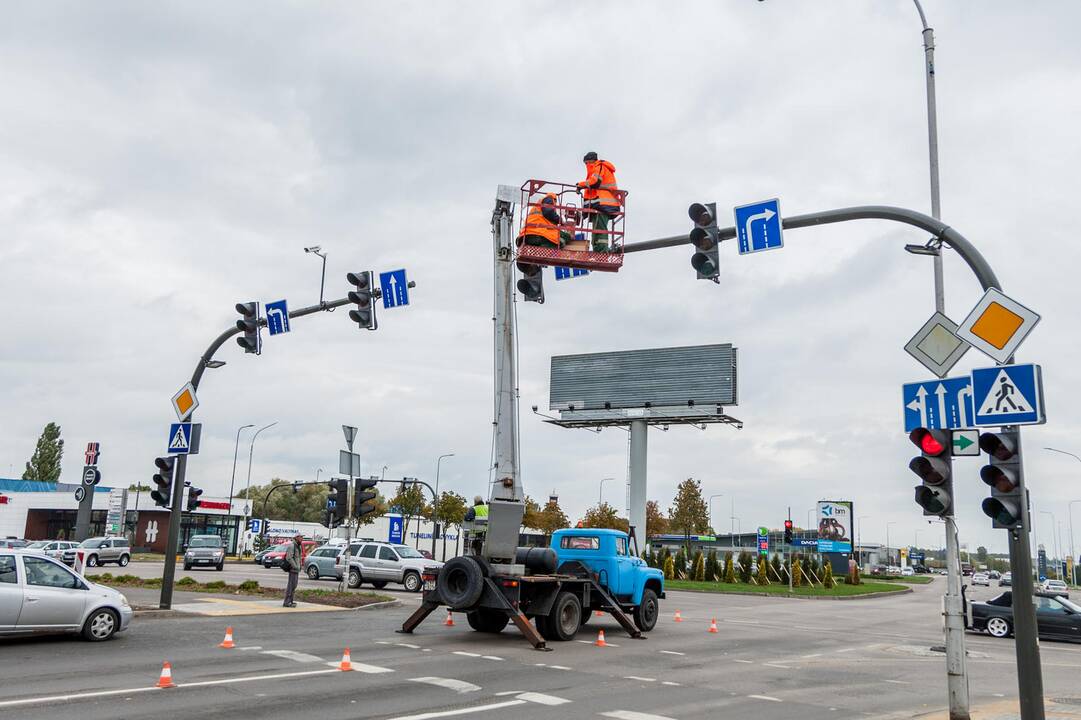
{"x":1008,"y":395}
{"x":938,"y":404}
{"x":277,"y":317}
{"x":255,"y":525}
{"x":395,"y":535}
{"x":394,"y":288}
{"x":758,"y":226}
{"x":179,"y":438}
{"x":562,"y":273}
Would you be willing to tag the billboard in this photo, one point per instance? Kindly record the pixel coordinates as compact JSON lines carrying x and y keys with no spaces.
{"x":654,"y":377}
{"x":835,"y":526}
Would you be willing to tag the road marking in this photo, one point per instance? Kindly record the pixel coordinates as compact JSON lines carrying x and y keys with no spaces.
{"x":294,"y":656}
{"x":669,"y":682}
{"x":459,"y":686}
{"x":411,"y":646}
{"x":638,"y":677}
{"x":251,"y":647}
{"x":542,"y":699}
{"x":366,"y":669}
{"x":811,"y":655}
{"x":461,"y":711}
{"x":765,"y":697}
{"x":590,"y":642}
{"x":554,"y":667}
{"x":631,"y":715}
{"x":466,"y":654}
{"x":777,"y":665}
{"x":745,"y":662}
{"x":672,"y":652}
{"x":899,"y":682}
{"x":846,"y":650}
{"x":492,"y":657}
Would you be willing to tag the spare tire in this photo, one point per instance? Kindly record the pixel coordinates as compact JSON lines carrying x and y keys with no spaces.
{"x":460,"y":583}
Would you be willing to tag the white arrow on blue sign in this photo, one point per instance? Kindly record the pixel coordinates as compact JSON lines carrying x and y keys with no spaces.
{"x":562,"y":273}
{"x":758,"y":226}
{"x":394,"y":288}
{"x":277,"y":317}
{"x":938,"y":404}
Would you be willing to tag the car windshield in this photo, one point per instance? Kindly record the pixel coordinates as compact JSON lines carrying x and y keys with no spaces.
{"x":1069,"y":604}
{"x":93,"y":542}
{"x":38,"y":544}
{"x":1050,"y":583}
{"x":280,"y":548}
{"x":197,"y":542}
{"x":407,"y":552}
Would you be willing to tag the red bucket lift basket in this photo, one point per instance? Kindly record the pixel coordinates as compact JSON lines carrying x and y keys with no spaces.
{"x":577,"y":221}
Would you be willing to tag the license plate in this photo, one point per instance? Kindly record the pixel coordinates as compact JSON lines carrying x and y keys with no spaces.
{"x":429,"y":586}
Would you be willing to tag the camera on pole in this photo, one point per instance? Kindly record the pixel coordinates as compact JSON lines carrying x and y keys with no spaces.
{"x":935,"y":468}
{"x":1006,"y":504}
{"x":163,"y":479}
{"x":248,"y":324}
{"x":705,"y":237}
{"x":362,"y":295}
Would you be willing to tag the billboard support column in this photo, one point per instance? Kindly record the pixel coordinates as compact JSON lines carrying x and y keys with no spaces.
{"x":639,"y":434}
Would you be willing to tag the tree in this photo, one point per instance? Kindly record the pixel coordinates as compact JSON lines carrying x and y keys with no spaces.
{"x":981,"y":554}
{"x":689,"y":513}
{"x":551,"y":518}
{"x":669,"y":568}
{"x":711,"y":566}
{"x":410,"y":502}
{"x":698,"y":567}
{"x":762,"y":579}
{"x":729,"y":571}
{"x":745,"y":567}
{"x":827,"y":576}
{"x":797,"y":574}
{"x":656,"y":522}
{"x":450,"y":510}
{"x":775,"y":565}
{"x":45,"y":462}
{"x":531,"y":516}
{"x":681,"y":563}
{"x":604,"y":515}
{"x":306,"y":503}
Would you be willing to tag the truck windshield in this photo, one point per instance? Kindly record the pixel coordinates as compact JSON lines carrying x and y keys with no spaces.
{"x":571,"y":542}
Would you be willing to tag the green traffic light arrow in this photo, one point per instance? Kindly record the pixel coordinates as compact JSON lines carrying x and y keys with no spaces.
{"x":960,"y":442}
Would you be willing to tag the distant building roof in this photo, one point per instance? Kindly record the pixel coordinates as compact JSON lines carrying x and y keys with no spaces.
{"x":13,"y":485}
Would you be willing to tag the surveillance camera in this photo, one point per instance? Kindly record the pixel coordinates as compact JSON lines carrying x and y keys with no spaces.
{"x":534,"y":408}
{"x":313,"y":249}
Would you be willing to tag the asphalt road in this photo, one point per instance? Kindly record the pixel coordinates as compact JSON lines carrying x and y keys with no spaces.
{"x":773,"y":658}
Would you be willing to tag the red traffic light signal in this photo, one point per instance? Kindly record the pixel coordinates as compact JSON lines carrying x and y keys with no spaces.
{"x":930,"y":442}
{"x":933,"y":467}
{"x":787,"y":524}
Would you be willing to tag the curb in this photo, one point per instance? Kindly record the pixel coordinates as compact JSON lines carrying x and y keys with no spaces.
{"x":786,"y":596}
{"x":151,"y":613}
{"x":378,"y":605}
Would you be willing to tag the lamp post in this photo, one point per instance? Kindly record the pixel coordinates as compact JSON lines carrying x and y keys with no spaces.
{"x":1069,"y":506}
{"x":247,"y":489}
{"x":435,"y":505}
{"x":859,"y":535}
{"x":1054,"y":538}
{"x":232,"y":478}
{"x":709,"y":502}
{"x":600,"y":494}
{"x":889,"y":557}
{"x":317,"y":475}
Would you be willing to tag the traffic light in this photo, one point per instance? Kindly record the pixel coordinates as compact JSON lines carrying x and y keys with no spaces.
{"x":1006,"y":504}
{"x":705,"y":237}
{"x":362,"y":493}
{"x":338,"y":501}
{"x":193,"y":498}
{"x":364,"y":312}
{"x":787,"y":532}
{"x":531,"y":285}
{"x":935,"y":468}
{"x":248,"y":324}
{"x":163,"y":479}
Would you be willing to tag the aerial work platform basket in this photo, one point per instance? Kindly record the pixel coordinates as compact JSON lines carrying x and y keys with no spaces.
{"x":578,"y":222}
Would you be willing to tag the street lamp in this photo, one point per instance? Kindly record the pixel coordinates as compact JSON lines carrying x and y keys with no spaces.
{"x":859,"y":535}
{"x":889,"y":558}
{"x":1054,"y":538}
{"x":435,"y":516}
{"x":251,"y":451}
{"x":232,"y":478}
{"x":600,"y":495}
{"x":317,"y":475}
{"x":710,"y":504}
{"x":1069,"y":506}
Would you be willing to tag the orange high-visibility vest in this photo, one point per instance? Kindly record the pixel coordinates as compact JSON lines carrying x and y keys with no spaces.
{"x":537,"y":224}
{"x":600,"y":183}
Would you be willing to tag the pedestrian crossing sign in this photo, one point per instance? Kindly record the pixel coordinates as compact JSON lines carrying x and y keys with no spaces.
{"x":1008,"y":395}
{"x":179,"y":439}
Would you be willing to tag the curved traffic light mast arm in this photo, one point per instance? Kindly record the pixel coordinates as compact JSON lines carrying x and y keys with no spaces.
{"x":939,"y":229}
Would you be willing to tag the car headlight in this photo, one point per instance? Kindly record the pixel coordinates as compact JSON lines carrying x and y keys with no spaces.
{"x":124,"y":600}
{"x":189,"y":553}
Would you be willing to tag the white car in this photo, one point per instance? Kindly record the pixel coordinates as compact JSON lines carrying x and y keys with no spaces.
{"x":907,"y":572}
{"x":41,"y":595}
{"x":981,"y":579}
{"x":1055,"y":586}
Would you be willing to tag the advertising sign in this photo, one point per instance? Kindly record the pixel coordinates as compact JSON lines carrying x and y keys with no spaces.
{"x":763,"y":541}
{"x":835,"y":526}
{"x":395,"y":534}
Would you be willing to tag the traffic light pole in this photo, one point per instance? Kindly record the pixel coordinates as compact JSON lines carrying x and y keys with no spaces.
{"x":956,"y":666}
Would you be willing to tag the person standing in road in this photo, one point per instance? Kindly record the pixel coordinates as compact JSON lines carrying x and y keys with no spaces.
{"x":291,"y":562}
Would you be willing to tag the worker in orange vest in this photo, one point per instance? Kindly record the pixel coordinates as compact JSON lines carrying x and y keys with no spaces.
{"x":541,"y":226}
{"x":599,"y":195}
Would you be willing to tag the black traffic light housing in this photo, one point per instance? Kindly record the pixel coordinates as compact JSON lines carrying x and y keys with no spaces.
{"x":248,"y":324}
{"x":787,"y":532}
{"x":706,"y":238}
{"x":1007,"y":504}
{"x":163,"y":481}
{"x":935,"y":467}
{"x":193,"y":498}
{"x":338,"y":501}
{"x":362,"y":493}
{"x":531,"y":284}
{"x":363,"y":296}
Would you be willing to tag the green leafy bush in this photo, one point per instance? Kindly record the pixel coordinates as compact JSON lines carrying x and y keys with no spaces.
{"x":186,"y":581}
{"x":249,"y":586}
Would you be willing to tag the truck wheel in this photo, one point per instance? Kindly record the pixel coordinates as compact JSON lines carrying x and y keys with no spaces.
{"x":460,"y":583}
{"x":563,"y":621}
{"x":488,"y":621}
{"x":645,"y":615}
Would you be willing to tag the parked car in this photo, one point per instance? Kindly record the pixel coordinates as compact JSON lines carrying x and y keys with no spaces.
{"x":921,"y":569}
{"x":981,"y":579}
{"x":1055,"y":587}
{"x":61,"y":550}
{"x":101,"y":550}
{"x":206,"y":550}
{"x":907,"y":572}
{"x":323,"y":562}
{"x":943,"y":571}
{"x":13,"y":543}
{"x":40,"y":595}
{"x":273,"y":558}
{"x":994,"y":574}
{"x":893,"y":570}
{"x":258,"y":559}
{"x":1006,"y":580}
{"x":878,"y":569}
{"x":1056,"y":617}
{"x":380,"y":563}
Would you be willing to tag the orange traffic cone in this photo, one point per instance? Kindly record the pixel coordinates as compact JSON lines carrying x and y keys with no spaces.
{"x":600,"y":640}
{"x":713,"y":625}
{"x":228,"y":643}
{"x":679,"y":618}
{"x":347,"y":663}
{"x":449,"y":622}
{"x":166,"y":678}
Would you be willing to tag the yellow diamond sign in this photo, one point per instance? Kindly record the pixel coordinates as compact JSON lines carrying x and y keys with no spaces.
{"x":185,"y":402}
{"x":997,"y":325}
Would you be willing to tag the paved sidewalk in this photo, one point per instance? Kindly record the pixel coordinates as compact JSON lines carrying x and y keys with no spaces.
{"x":1056,"y":708}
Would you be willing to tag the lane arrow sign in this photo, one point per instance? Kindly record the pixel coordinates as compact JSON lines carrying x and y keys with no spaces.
{"x":966,"y":443}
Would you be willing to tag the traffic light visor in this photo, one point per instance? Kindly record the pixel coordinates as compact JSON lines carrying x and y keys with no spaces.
{"x":362,"y":280}
{"x":932,"y":499}
{"x":931,"y":470}
{"x":932,"y":442}
{"x":1003,"y":512}
{"x":703,"y":263}
{"x":1000,"y":479}
{"x":702,"y":239}
{"x":700,"y":214}
{"x":997,"y":446}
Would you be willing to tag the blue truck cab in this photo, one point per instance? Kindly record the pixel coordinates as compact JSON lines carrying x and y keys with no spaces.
{"x":607,"y":555}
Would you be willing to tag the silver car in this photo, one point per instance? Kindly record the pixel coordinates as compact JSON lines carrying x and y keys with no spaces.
{"x":41,"y":595}
{"x":205,"y":550}
{"x":61,"y":550}
{"x":100,"y":550}
{"x":379,"y":563}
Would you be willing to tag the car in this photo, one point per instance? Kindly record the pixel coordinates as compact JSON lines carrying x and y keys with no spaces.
{"x":878,"y":569}
{"x":893,"y":570}
{"x":38,"y":594}
{"x":323,"y":562}
{"x":1055,"y":587}
{"x":1006,"y":580}
{"x":1057,"y":618}
{"x":206,"y":550}
{"x":943,"y":571}
{"x":273,"y":557}
{"x":981,"y":579}
{"x":258,"y":557}
{"x":921,"y":569}
{"x":380,"y":563}
{"x":13,"y":543}
{"x":61,"y":550}
{"x":100,"y":550}
{"x":994,"y":574}
{"x":907,"y":572}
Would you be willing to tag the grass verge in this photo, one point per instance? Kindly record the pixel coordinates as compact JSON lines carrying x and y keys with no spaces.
{"x":248,"y":587}
{"x":909,"y":579}
{"x":839,"y":590}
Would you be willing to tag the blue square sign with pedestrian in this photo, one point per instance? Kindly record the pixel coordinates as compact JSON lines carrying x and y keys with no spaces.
{"x":1008,"y":395}
{"x":758,"y":226}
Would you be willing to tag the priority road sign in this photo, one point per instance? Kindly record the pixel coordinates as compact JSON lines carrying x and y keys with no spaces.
{"x":997,"y":325}
{"x":277,"y":317}
{"x":562,"y":273}
{"x":938,"y":404}
{"x":179,"y":438}
{"x":394,"y":288}
{"x":936,"y":345}
{"x":1008,"y":395}
{"x":185,"y":402}
{"x":966,"y":443}
{"x":758,"y":226}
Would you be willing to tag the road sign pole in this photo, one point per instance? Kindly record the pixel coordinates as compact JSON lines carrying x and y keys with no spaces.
{"x":173,"y":541}
{"x":956,"y":670}
{"x":790,"y":555}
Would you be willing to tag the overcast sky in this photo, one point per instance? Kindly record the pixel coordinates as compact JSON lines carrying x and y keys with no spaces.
{"x":161,"y":162}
